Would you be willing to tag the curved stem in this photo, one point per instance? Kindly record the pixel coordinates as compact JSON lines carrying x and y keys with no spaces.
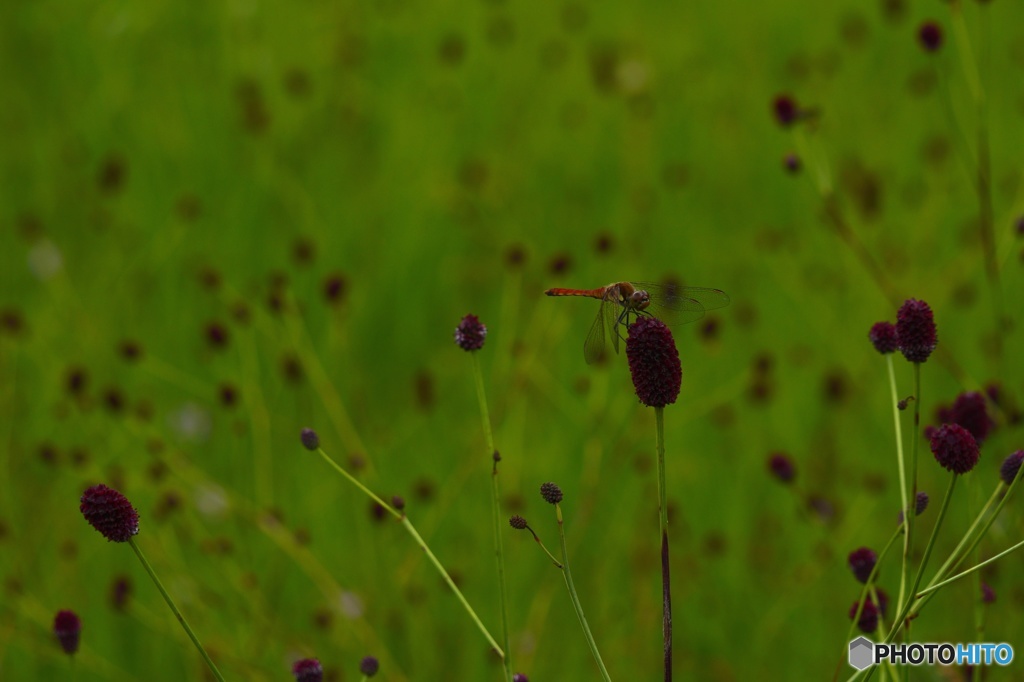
{"x":419,"y":541}
{"x":458,"y":593}
{"x":900,"y":620}
{"x":499,"y":551}
{"x":355,"y":481}
{"x":971,"y":570}
{"x":576,"y":600}
{"x":175,"y":611}
{"x":955,"y":555}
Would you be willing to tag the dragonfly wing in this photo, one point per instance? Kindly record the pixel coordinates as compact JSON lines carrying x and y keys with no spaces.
{"x":610,"y":310}
{"x":678,"y":304}
{"x":593,"y":348}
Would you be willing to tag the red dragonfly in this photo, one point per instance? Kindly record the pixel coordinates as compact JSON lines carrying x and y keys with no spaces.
{"x":670,"y":303}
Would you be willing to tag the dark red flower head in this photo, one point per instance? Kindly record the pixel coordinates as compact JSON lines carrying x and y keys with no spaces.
{"x":915,"y":330}
{"x":955,"y":448}
{"x":781,"y":467}
{"x":308,"y":670}
{"x":517,"y":522}
{"x":868,"y":621}
{"x":309,"y":439}
{"x":969,"y":411}
{"x":551,"y":493}
{"x":786,"y":110}
{"x":109,"y":512}
{"x":883,"y":337}
{"x":653,"y":362}
{"x":988,"y":595}
{"x":922,"y":504}
{"x":519,"y":677}
{"x":470,"y":333}
{"x":862,"y":562}
{"x":871,"y":612}
{"x":1010,"y":466}
{"x":334,"y":287}
{"x":369,"y":666}
{"x":68,"y":629}
{"x":930,"y":35}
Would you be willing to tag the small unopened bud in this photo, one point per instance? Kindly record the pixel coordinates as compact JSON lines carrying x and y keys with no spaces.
{"x":551,"y":493}
{"x":310,"y":440}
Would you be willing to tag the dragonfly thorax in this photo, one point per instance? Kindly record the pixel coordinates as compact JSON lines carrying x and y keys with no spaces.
{"x":638,"y":300}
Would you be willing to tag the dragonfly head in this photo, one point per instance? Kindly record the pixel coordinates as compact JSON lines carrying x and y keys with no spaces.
{"x":639,"y":299}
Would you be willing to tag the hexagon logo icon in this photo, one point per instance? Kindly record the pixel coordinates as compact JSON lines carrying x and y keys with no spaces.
{"x":862,"y":653}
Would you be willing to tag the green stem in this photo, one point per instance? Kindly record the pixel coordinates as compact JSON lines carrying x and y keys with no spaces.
{"x":954,"y":561}
{"x":576,"y":600}
{"x":551,"y":556}
{"x":499,"y":550}
{"x":889,"y":669}
{"x":354,"y":481}
{"x":979,"y":622}
{"x":423,"y":545}
{"x":174,"y":610}
{"x":458,"y":593}
{"x":666,"y":590}
{"x":967,"y":536}
{"x":863,"y":596}
{"x":909,"y":513}
{"x":971,"y":570}
{"x":992,"y":519}
{"x":900,"y":621}
{"x":905,"y":569}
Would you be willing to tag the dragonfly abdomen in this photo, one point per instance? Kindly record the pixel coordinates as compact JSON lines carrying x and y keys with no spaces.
{"x":591,"y":293}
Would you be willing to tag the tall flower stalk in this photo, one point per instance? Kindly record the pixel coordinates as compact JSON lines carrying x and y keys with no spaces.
{"x":470,"y":336}
{"x":657,"y":377}
{"x":552,"y":494}
{"x":311,"y":442}
{"x":110,"y":513}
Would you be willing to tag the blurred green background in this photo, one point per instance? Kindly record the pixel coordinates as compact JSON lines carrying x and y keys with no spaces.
{"x":181,"y":184}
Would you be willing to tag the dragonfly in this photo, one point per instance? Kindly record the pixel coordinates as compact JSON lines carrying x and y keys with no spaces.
{"x":623,"y":301}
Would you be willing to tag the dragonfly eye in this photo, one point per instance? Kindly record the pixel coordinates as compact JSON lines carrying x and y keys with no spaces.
{"x":639,"y":299}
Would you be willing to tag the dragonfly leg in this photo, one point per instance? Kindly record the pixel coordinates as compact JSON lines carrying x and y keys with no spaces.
{"x":623,"y":321}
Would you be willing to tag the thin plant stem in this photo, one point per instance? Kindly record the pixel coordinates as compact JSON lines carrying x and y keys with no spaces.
{"x":666,"y":589}
{"x":576,"y":600}
{"x":499,"y":550}
{"x":900,"y":620}
{"x":551,"y":556}
{"x":967,"y":536}
{"x":458,"y":593}
{"x":969,"y":571}
{"x":354,"y":481}
{"x":890,"y":669}
{"x":905,"y":569}
{"x":973,"y":77}
{"x":909,"y":514}
{"x":423,"y":545}
{"x":863,"y":596}
{"x":954,"y":561}
{"x":991,"y":519}
{"x":979,"y":620}
{"x":175,"y":611}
